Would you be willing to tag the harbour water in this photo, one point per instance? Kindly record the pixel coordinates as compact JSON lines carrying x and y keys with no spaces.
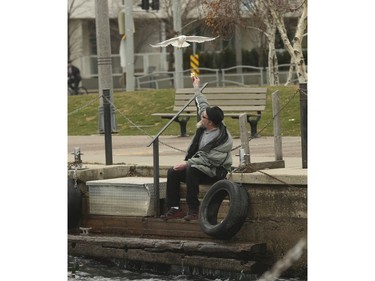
{"x":88,"y":269}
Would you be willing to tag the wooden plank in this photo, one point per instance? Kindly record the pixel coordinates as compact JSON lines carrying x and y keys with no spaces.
{"x":124,"y":225}
{"x":237,"y":115}
{"x":243,"y":109}
{"x":176,"y":228}
{"x":224,"y":90}
{"x":173,"y":114}
{"x":227,"y":96}
{"x":225,"y":108}
{"x":202,"y":253}
{"x":236,"y":96}
{"x":218,"y":248}
{"x":231,"y":114}
{"x":234,"y":102}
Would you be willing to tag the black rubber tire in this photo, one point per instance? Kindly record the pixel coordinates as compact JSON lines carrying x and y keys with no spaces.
{"x":237,"y":212}
{"x":74,"y":204}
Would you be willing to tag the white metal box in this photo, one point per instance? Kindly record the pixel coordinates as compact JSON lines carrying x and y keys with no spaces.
{"x":129,"y":196}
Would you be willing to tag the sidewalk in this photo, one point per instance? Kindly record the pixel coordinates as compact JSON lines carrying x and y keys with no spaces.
{"x":134,"y":150}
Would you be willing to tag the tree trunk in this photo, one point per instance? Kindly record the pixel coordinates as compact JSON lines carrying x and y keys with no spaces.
{"x":290,"y":73}
{"x":294,"y":50}
{"x":272,"y":59}
{"x":276,"y":71}
{"x":272,"y":73}
{"x":299,"y":59}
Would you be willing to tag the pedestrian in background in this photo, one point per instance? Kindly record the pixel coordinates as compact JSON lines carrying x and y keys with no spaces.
{"x":74,"y":77}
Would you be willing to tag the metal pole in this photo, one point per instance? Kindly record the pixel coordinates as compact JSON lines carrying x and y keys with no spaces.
{"x":107,"y":127}
{"x":103,"y":42}
{"x":303,"y":114}
{"x":156,"y":177}
{"x":276,"y":113}
{"x":129,"y":45}
{"x":179,"y":82}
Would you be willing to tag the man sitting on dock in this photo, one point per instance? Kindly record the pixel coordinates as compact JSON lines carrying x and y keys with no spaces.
{"x":208,"y":159}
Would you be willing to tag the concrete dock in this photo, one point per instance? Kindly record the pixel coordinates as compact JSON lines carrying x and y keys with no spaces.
{"x":134,"y":150}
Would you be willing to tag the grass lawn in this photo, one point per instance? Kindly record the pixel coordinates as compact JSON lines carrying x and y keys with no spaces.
{"x":134,"y":109}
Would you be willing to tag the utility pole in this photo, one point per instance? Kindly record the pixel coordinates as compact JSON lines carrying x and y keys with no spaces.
{"x":164,"y":64}
{"x":103,"y":42}
{"x":238,"y":47}
{"x":129,"y":45}
{"x":179,"y":82}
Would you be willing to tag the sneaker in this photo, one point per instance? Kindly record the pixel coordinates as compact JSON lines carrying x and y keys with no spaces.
{"x":173,"y":214}
{"x":192,"y":215}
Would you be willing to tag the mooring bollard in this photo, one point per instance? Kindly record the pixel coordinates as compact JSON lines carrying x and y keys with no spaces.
{"x":77,"y":157}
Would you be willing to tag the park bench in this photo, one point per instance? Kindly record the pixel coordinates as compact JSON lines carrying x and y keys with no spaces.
{"x":233,"y":101}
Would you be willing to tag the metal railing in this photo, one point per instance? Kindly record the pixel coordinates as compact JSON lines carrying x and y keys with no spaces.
{"x":240,"y":75}
{"x":149,"y":73}
{"x":158,"y":79}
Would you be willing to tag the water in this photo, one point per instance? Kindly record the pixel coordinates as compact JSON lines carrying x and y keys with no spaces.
{"x":88,"y":269}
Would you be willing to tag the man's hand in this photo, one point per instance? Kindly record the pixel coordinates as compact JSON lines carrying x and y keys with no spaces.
{"x":180,"y":166}
{"x":196,"y":82}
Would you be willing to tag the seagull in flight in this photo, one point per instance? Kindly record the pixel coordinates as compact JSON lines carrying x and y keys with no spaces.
{"x":182,"y":41}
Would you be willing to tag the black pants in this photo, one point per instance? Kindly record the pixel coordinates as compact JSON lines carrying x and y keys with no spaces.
{"x":192,"y":177}
{"x":74,"y":83}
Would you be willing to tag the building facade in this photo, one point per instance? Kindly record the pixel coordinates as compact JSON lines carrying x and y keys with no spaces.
{"x":150,"y":27}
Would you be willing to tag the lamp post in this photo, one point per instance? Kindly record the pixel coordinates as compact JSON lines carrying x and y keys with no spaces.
{"x":104,"y":58}
{"x":176,"y":6}
{"x":129,"y":45}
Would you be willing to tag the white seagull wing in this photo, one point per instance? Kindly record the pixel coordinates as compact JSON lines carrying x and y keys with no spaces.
{"x":164,"y":43}
{"x":199,"y":39}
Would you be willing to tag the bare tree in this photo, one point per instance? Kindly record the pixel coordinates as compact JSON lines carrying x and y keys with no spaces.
{"x":293,"y":47}
{"x":251,"y":15}
{"x":73,"y":30}
{"x":265,"y":16}
{"x":264,"y":23}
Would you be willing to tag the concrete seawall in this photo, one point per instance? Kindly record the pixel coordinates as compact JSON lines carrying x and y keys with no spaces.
{"x":277,"y":213}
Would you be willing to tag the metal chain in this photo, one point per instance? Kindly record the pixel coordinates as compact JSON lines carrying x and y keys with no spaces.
{"x":248,"y":168}
{"x":75,"y":176}
{"x":269,"y":122}
{"x":275,"y":178}
{"x":84,"y":106}
{"x":139,"y":128}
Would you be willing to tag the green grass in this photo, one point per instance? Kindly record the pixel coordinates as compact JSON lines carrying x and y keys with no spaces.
{"x":83,"y":112}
